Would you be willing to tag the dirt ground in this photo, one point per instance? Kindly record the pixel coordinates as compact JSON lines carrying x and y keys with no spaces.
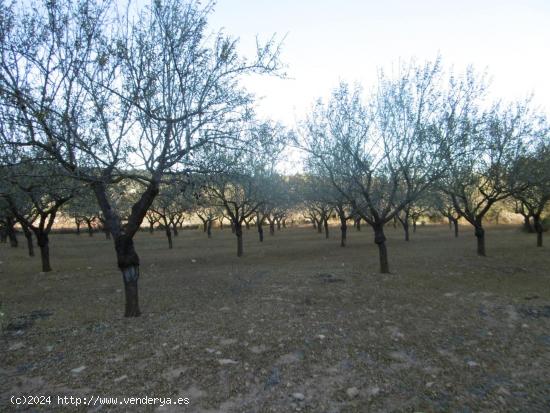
{"x":297,"y":324}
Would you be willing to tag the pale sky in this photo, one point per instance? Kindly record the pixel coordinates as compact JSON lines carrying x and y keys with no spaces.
{"x":328,"y":41}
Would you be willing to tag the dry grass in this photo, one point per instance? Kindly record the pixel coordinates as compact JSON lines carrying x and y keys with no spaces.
{"x":446,"y":331}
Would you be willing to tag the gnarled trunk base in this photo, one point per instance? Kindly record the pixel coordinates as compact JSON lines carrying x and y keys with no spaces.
{"x":130,"y":276}
{"x":43,"y":242}
{"x":455,"y":223}
{"x":239,"y":234}
{"x":128,"y":262}
{"x":344,"y":229}
{"x":539,"y":229}
{"x":480,"y":235}
{"x":261,"y":233}
{"x":380,"y":240}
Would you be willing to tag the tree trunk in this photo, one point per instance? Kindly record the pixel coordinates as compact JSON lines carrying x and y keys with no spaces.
{"x":90,"y":229}
{"x":12,"y":235}
{"x":284,"y":223}
{"x":169,"y":236}
{"x":271,"y":227}
{"x":358,"y":224}
{"x":239,"y":233}
{"x":344,"y":229}
{"x":175,"y":229}
{"x":127,"y":258}
{"x":451,"y":221}
{"x":128,"y":262}
{"x":314,"y":224}
{"x":247,"y":224}
{"x":405,"y":224}
{"x":455,"y":223}
{"x":77,"y":227}
{"x":527,"y":224}
{"x":43,"y":242}
{"x":414,"y":225}
{"x":480,"y":235}
{"x":204,"y":226}
{"x":260,"y":231}
{"x":209,"y":228}
{"x":380,"y":240}
{"x":319,"y":227}
{"x":28,"y":236}
{"x":278,"y":225}
{"x":151,"y":228}
{"x":539,"y":229}
{"x":325,"y":224}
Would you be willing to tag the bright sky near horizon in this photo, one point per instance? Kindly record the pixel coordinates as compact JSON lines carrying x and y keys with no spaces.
{"x":328,"y":41}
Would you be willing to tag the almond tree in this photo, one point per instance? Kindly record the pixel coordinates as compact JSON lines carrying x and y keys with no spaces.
{"x":169,"y":206}
{"x":444,"y":206}
{"x":384,"y":155}
{"x":112,"y":100}
{"x":34,"y":195}
{"x":487,"y":171}
{"x":534,"y":174}
{"x":243,"y":187}
{"x":83,"y":208}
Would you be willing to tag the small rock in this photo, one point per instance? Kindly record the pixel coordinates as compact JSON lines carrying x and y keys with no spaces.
{"x":321,"y":336}
{"x":89,"y":268}
{"x":174,"y":373}
{"x":78,"y":370}
{"x":429,"y":384}
{"x":210,"y":350}
{"x":228,"y":341}
{"x":290,"y":357}
{"x":225,"y":362}
{"x":273,"y":379}
{"x":258,"y":349}
{"x":502,"y":391}
{"x":225,"y":309}
{"x":16,"y":346}
{"x":524,"y":326}
{"x":119,"y":379}
{"x":49,"y":348}
{"x":298,"y":396}
{"x":352,"y":392}
{"x":472,"y":364}
{"x":193,"y":260}
{"x":373,"y":391}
